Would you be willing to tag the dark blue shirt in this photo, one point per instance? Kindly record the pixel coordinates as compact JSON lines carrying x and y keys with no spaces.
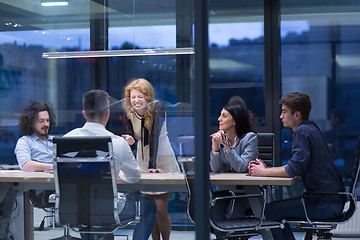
{"x":312,"y":161}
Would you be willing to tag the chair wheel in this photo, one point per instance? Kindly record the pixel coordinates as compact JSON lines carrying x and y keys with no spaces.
{"x":324,"y":235}
{"x":308,"y":235}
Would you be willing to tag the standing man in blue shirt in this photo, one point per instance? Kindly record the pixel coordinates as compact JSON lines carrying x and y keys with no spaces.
{"x":311,"y":160}
{"x":34,"y":150}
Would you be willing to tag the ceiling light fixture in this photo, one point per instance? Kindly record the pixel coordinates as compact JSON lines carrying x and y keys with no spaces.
{"x":119,"y":53}
{"x":53,"y":3}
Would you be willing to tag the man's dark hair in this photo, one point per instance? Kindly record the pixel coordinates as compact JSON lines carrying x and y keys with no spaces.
{"x":298,"y":102}
{"x":338,"y":113}
{"x":30,"y":114}
{"x":95,"y":104}
{"x":236,"y":99}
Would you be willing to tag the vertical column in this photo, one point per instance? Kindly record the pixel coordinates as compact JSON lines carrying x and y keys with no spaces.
{"x":201,"y":88}
{"x":272,"y":68}
{"x":184,"y":38}
{"x":99,"y":24}
{"x":273,"y":72}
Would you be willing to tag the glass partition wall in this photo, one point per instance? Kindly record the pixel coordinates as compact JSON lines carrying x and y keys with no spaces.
{"x":236,"y":57}
{"x":319,"y":56}
{"x":30,"y":29}
{"x":36,"y":44}
{"x":316,"y":53}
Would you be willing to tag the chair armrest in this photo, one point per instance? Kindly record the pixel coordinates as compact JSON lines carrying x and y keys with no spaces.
{"x":121,"y":200}
{"x":52,"y":198}
{"x":324,"y":193}
{"x":213,"y":201}
{"x":307,"y":193}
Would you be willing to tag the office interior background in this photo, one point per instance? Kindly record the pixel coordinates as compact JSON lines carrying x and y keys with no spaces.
{"x":259,"y":50}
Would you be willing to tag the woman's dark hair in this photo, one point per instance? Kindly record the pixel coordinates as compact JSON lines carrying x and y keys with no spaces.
{"x":241,"y":118}
{"x":30,"y":114}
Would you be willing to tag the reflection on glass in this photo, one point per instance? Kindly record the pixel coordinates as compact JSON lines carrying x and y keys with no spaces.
{"x":237,"y":57}
{"x":319,"y":51}
{"x":31,"y":30}
{"x":143,"y":37}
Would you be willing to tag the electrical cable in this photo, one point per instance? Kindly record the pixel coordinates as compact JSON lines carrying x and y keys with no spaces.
{"x":13,"y":219}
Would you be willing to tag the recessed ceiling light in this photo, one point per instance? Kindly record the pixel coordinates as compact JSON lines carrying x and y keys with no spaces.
{"x":53,"y":3}
{"x":120,"y":53}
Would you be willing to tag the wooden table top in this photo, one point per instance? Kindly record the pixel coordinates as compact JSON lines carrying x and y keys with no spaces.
{"x":154,"y":178}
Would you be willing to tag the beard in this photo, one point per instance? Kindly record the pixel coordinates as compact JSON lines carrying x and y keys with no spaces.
{"x":42,"y":134}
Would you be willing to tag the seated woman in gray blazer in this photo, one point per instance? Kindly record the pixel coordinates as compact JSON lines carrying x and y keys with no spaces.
{"x":234,"y":146}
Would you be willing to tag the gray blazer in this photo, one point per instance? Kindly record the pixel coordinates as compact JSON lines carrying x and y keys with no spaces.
{"x":238,"y":158}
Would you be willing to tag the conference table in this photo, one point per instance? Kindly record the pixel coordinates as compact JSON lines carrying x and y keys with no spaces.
{"x":23,"y":181}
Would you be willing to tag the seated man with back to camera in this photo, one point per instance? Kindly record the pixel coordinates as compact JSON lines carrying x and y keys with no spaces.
{"x":96,"y":111}
{"x":311,"y":160}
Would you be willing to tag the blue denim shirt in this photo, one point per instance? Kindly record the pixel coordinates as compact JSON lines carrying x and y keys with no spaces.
{"x":312,"y":160}
{"x":33,"y":148}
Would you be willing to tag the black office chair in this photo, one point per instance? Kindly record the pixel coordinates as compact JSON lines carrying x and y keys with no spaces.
{"x":86,"y":187}
{"x":240,"y":227}
{"x":42,"y":200}
{"x":322,"y":227}
{"x":266,"y":148}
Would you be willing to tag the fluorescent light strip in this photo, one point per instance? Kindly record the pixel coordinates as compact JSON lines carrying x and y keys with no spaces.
{"x":54,"y":4}
{"x":118,"y":53}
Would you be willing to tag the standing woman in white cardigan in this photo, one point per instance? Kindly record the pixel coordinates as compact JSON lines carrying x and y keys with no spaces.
{"x":146,"y":122}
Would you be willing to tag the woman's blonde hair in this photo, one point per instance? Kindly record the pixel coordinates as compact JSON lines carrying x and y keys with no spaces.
{"x":145,"y":87}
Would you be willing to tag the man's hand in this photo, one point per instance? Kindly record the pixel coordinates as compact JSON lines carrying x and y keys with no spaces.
{"x":36,"y":166}
{"x":257,"y":168}
{"x":129,"y":139}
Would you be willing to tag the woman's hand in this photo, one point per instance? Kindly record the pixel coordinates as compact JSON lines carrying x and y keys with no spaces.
{"x":220,"y":138}
{"x":217,"y":138}
{"x":158,"y":170}
{"x":129,"y":139}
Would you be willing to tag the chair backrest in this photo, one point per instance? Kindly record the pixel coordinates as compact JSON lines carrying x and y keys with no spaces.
{"x":85,"y":181}
{"x":186,"y":146}
{"x":355,"y":175}
{"x":266,"y":148}
{"x":71,"y":147}
{"x":354,"y":179}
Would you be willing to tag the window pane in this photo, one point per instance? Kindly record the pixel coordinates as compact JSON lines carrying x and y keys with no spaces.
{"x":86,"y":25}
{"x":142,"y":24}
{"x":236,"y":38}
{"x":319,"y":56}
